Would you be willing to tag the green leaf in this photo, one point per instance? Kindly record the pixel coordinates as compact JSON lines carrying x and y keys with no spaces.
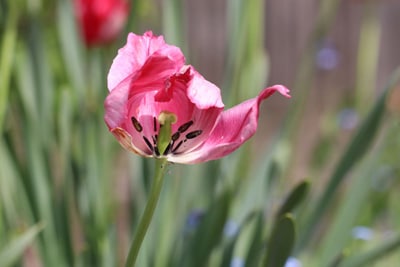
{"x":281,"y":242}
{"x":357,"y":148}
{"x":352,"y":203}
{"x":367,"y":258}
{"x":253,"y":217}
{"x":255,"y":246}
{"x":210,"y":230}
{"x":71,"y":48}
{"x":13,"y":251}
{"x":25,"y":83}
{"x":295,"y":198}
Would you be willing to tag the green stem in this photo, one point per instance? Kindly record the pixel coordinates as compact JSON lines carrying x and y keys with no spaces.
{"x":148,"y":212}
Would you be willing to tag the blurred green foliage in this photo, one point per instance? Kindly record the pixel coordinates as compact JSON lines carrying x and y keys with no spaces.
{"x":69,"y":195}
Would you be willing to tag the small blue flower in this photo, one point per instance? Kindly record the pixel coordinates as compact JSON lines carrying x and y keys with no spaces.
{"x":348,"y":119}
{"x":193,"y":220}
{"x":293,"y":262}
{"x":231,"y":228}
{"x":327,"y":57}
{"x":237,"y":262}
{"x":362,"y":233}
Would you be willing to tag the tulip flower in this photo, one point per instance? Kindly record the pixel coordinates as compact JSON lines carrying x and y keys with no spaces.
{"x":101,"y":21}
{"x":159,"y":107}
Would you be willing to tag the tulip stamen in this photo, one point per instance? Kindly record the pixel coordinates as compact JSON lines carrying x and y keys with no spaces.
{"x":154,"y":124}
{"x":156,"y":152}
{"x":176,"y":148}
{"x":185,"y":126}
{"x":168,"y":148}
{"x":136,"y":124}
{"x":193,"y":134}
{"x":175,"y":136}
{"x":148,"y":143}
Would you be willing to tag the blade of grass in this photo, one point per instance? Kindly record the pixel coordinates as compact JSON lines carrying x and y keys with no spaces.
{"x":40,"y":183}
{"x":248,"y":64}
{"x":210,"y":230}
{"x":39,"y":53}
{"x":8,"y":186}
{"x":367,"y":58}
{"x":369,"y":257}
{"x":254,"y":248}
{"x":340,"y":231}
{"x":7,"y":54}
{"x":304,"y":78}
{"x":71,"y":48}
{"x":25,"y":80}
{"x":357,"y":198}
{"x":14,"y":250}
{"x":229,"y":248}
{"x":355,"y":151}
{"x":281,"y":242}
{"x":294,"y":198}
{"x":173,"y":22}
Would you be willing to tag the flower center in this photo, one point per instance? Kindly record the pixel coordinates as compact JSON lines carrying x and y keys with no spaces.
{"x":163,"y":142}
{"x":166,"y":120}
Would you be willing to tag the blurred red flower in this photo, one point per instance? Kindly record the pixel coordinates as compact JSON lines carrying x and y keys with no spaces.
{"x":101,"y":21}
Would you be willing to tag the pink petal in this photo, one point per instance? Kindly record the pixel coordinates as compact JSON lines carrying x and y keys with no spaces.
{"x":125,"y":139}
{"x":115,"y":105}
{"x":233,"y":128}
{"x":203,"y":93}
{"x":135,"y":54}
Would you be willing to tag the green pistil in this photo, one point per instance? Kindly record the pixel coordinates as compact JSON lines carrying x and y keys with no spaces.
{"x":166,"y":119}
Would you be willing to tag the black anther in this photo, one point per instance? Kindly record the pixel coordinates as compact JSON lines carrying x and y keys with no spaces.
{"x":193,"y":134}
{"x":138,"y":127}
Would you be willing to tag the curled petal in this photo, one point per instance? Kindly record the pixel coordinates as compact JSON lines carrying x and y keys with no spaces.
{"x":233,"y":128}
{"x":203,"y":93}
{"x":132,"y":58}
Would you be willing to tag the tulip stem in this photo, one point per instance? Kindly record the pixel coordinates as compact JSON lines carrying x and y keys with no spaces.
{"x":148,"y":212}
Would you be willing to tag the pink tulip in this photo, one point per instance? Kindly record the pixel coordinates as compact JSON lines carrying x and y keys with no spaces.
{"x":101,"y":21}
{"x":148,"y":78}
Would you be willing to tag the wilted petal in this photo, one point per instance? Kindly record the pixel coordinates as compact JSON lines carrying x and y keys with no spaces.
{"x":125,"y":139}
{"x":203,"y":93}
{"x":146,"y":55}
{"x":233,"y":128}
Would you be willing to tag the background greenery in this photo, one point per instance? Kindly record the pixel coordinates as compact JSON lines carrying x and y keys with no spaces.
{"x":70,"y":196}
